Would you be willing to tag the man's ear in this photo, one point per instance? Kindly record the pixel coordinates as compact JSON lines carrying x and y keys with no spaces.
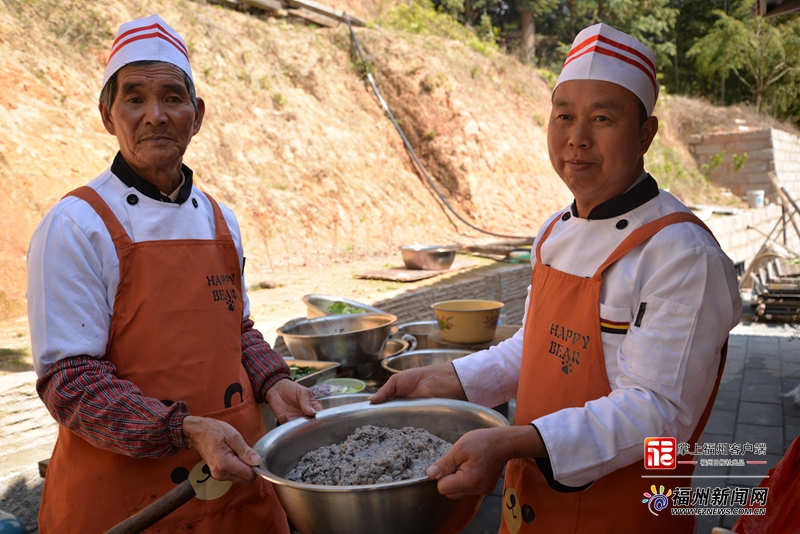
{"x":647,"y":132}
{"x":105,"y":115}
{"x":198,"y":117}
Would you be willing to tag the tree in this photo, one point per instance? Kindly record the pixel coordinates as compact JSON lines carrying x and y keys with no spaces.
{"x":528,"y":10}
{"x":759,"y":52}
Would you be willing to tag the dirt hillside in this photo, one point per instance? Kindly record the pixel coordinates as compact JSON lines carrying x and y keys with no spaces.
{"x":293,"y":140}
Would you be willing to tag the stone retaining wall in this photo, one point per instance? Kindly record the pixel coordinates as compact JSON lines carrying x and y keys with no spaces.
{"x":767,"y":151}
{"x":741,"y":242}
{"x":508,"y":284}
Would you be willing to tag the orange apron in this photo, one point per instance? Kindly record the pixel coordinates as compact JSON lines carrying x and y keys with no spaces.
{"x":557,"y":374}
{"x":175,"y":333}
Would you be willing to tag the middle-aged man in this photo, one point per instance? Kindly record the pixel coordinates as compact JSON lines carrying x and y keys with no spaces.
{"x":625,"y":329}
{"x":140,"y":326}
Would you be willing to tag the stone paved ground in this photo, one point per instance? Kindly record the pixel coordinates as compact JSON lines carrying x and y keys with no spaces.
{"x":763,"y":362}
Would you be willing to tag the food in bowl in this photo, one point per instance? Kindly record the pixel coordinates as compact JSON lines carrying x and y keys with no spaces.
{"x":371,"y":455}
{"x":337,"y":386}
{"x":467,"y":321}
{"x":409,"y":506}
{"x":343,"y":308}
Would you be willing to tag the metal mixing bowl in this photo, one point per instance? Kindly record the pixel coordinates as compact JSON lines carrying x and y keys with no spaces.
{"x":355,"y":341}
{"x":421,"y":358}
{"x":406,"y":507}
{"x":333,"y":401}
{"x":317,"y":305}
{"x":420,"y":330}
{"x":429,"y":257}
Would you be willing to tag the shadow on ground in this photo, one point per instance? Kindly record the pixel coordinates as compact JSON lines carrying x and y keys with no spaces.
{"x":21,"y":497}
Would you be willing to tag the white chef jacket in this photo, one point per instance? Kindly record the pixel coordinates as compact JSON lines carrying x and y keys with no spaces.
{"x":73,"y":268}
{"x":661,"y":373}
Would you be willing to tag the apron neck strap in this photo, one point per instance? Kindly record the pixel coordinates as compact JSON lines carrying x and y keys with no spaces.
{"x":545,"y":235}
{"x":93,"y":198}
{"x":643,"y":233}
{"x":219,"y":221}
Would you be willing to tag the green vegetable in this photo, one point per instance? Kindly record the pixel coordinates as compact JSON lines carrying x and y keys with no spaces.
{"x":301,"y":371}
{"x":342,"y":308}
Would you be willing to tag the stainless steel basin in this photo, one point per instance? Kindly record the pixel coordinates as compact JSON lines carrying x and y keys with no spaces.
{"x":429,"y":257}
{"x":406,"y":507}
{"x":355,"y":341}
{"x":420,"y":330}
{"x":421,"y":358}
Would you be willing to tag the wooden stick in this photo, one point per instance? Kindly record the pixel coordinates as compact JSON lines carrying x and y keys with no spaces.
{"x":154,"y":512}
{"x":785,"y":200}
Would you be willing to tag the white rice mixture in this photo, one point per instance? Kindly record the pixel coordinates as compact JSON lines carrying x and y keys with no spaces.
{"x":371,"y":455}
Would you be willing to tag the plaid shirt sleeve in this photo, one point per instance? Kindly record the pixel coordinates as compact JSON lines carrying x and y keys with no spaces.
{"x":264,"y":366}
{"x":85,"y":395}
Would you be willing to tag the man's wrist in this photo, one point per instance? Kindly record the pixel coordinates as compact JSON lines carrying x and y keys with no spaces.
{"x":177,"y":430}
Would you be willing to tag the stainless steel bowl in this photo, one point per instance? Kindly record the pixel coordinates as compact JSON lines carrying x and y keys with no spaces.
{"x":332,"y":401}
{"x":420,"y":330}
{"x":405,"y":507}
{"x":393,"y":347}
{"x":421,"y":358}
{"x":355,"y":341}
{"x":317,"y":305}
{"x":429,"y":257}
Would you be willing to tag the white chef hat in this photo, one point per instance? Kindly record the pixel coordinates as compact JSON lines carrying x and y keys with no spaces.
{"x":147,"y":39}
{"x":602,"y":53}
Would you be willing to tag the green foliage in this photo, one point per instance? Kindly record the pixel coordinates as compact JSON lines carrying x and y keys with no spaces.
{"x":421,"y":17}
{"x":73,"y":22}
{"x":738,"y":161}
{"x":713,"y":162}
{"x":279,"y":101}
{"x":760,"y":53}
{"x":650,"y":21}
{"x":363,"y":68}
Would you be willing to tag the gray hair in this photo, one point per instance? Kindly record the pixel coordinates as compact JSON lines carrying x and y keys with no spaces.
{"x":110,"y":88}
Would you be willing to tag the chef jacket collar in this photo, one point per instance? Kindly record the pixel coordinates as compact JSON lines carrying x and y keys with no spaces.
{"x":123,"y":171}
{"x":643,"y":192}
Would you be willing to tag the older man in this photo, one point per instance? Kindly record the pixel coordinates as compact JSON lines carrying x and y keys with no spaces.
{"x":625,"y":329}
{"x":140,"y":324}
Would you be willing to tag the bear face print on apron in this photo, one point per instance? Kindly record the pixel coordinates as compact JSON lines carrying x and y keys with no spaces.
{"x":563,"y":366}
{"x":176,"y":334}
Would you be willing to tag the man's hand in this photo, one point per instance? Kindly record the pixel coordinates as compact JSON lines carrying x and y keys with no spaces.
{"x":289,"y":400}
{"x":223,"y":449}
{"x":476,"y":461}
{"x":438,"y":380}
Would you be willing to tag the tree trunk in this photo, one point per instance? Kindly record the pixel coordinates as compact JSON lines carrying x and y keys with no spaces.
{"x":468,"y":13}
{"x":528,"y":38}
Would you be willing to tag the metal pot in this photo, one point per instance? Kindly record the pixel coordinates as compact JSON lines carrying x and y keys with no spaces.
{"x":429,"y":257}
{"x":355,"y":341}
{"x":405,"y":507}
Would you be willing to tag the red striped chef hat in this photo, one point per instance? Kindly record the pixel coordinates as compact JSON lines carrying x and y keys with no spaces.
{"x":148,"y":38}
{"x":602,"y":53}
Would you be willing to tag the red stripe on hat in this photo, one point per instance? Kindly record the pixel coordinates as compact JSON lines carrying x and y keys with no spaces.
{"x":621,"y":57}
{"x":147,"y":36}
{"x":617,"y":44}
{"x":168,"y":36}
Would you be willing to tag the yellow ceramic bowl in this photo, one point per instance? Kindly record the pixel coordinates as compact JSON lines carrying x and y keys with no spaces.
{"x":467,"y":321}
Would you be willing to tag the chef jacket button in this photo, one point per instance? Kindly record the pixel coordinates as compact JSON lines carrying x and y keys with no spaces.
{"x":194,"y":202}
{"x":566,"y":216}
{"x":622,"y":224}
{"x":132,"y":200}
